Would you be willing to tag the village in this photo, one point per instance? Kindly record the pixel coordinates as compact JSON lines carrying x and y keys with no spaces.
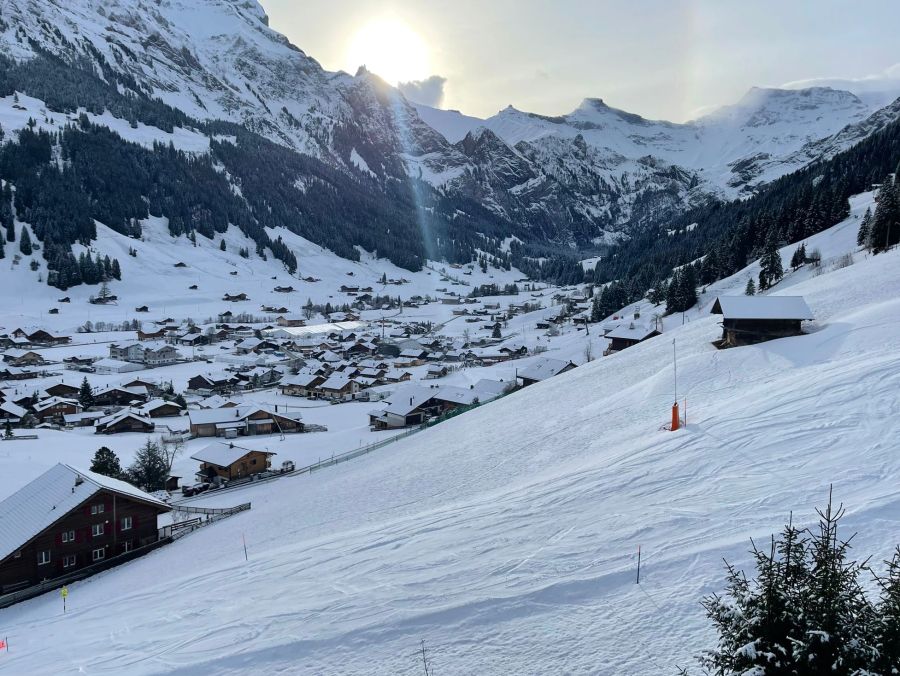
{"x":264,"y":389}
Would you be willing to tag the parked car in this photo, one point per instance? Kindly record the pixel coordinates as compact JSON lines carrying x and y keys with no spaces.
{"x":196,"y":489}
{"x":287,"y":466}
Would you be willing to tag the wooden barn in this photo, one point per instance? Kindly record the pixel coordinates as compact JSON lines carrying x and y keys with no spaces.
{"x":754,"y":319}
{"x":627,"y":335}
{"x":68,"y":519}
{"x":230,"y":462}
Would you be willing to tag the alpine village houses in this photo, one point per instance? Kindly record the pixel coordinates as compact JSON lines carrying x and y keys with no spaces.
{"x":67,"y":520}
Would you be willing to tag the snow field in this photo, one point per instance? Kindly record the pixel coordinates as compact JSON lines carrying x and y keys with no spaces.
{"x":506,"y":537}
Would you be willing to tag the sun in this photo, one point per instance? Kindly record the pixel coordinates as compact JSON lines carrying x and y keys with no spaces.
{"x":391,"y":50}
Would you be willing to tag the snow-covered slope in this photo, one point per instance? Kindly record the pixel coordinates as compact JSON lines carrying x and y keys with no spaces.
{"x":506,"y":538}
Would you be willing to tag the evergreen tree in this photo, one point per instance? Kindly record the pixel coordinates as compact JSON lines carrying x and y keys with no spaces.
{"x":799,"y":256}
{"x":770,"y":271}
{"x":835,"y":611}
{"x":862,"y":237}
{"x":805,"y":614}
{"x":150,"y":469}
{"x":496,"y":332}
{"x":25,"y":242}
{"x":86,"y":394}
{"x":7,"y":431}
{"x":887,"y":626}
{"x":222,"y":246}
{"x":106,"y":462}
{"x":750,"y":289}
{"x":885,"y":228}
{"x":116,"y":269}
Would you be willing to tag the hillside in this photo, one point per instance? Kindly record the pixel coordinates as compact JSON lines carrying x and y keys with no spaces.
{"x":506,"y":538}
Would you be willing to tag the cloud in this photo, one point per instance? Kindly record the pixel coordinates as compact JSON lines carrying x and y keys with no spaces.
{"x":885,"y":82}
{"x":429,"y":92}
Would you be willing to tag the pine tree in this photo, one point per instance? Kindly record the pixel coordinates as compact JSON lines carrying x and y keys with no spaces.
{"x":222,"y":246}
{"x":496,"y":332}
{"x":885,"y":228}
{"x":106,"y":462}
{"x":750,"y":289}
{"x":771,"y":270}
{"x":887,"y":626}
{"x":116,"y":269}
{"x":149,"y":470}
{"x":862,"y":237}
{"x":86,"y":394}
{"x":837,"y":614}
{"x":25,"y":242}
{"x":799,"y":256}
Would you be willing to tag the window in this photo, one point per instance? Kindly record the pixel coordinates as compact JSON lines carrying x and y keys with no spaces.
{"x":69,"y":561}
{"x":98,"y":554}
{"x":68,"y":536}
{"x":127,"y":546}
{"x":126,"y":523}
{"x":97,"y":529}
{"x":97,"y":509}
{"x":44,"y":558}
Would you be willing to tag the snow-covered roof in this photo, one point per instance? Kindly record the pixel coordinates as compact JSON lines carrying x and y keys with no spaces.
{"x":122,"y":415}
{"x":761,"y":307}
{"x":302,"y":380}
{"x":11,"y":410}
{"x":222,"y":454}
{"x":335,"y":382}
{"x":543,"y":369}
{"x":631,"y":331}
{"x":36,"y":506}
{"x":457,"y":395}
{"x":407,"y":400}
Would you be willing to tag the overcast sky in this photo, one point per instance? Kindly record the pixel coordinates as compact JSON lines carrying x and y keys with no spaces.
{"x":664,"y":59}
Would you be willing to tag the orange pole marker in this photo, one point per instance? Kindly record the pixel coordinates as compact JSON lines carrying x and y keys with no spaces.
{"x":676,"y":422}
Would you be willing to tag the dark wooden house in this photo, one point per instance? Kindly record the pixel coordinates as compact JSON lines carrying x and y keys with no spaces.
{"x":228,"y":462}
{"x":754,"y":319}
{"x":124,"y":421}
{"x":68,"y":519}
{"x":628,"y":335}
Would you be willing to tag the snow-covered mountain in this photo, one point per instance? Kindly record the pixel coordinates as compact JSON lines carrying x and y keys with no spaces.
{"x":578,"y":179}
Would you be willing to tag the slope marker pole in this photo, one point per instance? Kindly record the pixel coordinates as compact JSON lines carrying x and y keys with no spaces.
{"x":639,"y":566}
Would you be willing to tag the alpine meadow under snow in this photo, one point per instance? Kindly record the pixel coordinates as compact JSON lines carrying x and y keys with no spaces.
{"x":293,"y":245}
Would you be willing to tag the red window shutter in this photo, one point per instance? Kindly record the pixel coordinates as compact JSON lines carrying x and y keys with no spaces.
{"x":59,"y":540}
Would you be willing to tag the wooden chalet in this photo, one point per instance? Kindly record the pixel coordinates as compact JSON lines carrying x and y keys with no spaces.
{"x":303,"y":385}
{"x":54,"y":408}
{"x":117,"y":395}
{"x":62,"y":390}
{"x":228,"y":462}
{"x":627,"y":335}
{"x":339,"y":387}
{"x":124,"y":421}
{"x":542,"y":369}
{"x":68,"y":519}
{"x":754,"y":319}
{"x":160,"y":408}
{"x":244,"y":421}
{"x":18,"y":357}
{"x":235,"y":297}
{"x":39,"y":336}
{"x":405,"y":408}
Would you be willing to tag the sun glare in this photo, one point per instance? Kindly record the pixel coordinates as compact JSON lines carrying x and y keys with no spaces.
{"x":391,"y":50}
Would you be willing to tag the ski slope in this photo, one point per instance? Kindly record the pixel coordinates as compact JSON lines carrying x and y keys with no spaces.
{"x":506,"y":538}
